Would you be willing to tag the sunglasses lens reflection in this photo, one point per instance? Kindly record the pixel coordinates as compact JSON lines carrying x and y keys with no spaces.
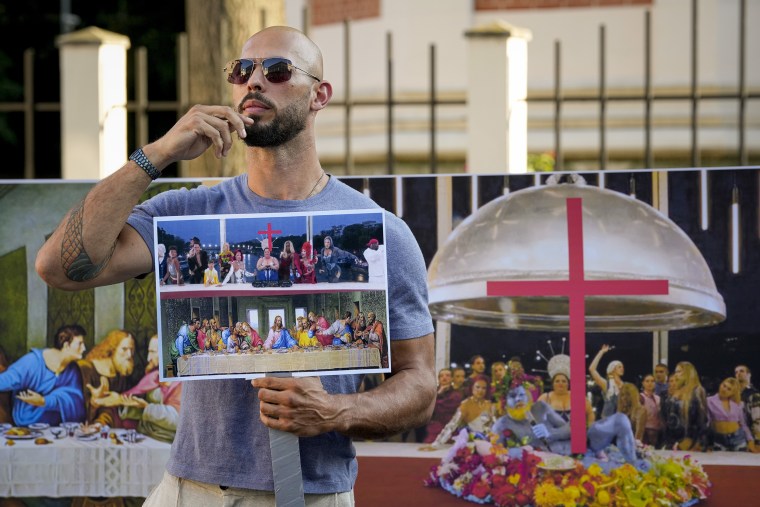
{"x":277,"y":71}
{"x":240,"y":72}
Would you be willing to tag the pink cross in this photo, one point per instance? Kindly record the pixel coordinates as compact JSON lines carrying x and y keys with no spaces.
{"x":269,"y":231}
{"x":576,"y":289}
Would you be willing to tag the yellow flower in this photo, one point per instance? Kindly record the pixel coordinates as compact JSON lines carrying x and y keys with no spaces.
{"x":572,"y":492}
{"x":595,"y":470}
{"x":547,"y":495}
{"x":514,"y":479}
{"x":602,"y":497}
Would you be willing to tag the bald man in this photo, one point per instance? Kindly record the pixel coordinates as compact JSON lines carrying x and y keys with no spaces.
{"x":278,"y":88}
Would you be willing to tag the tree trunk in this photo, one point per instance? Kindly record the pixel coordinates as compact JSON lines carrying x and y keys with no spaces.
{"x":216,"y":32}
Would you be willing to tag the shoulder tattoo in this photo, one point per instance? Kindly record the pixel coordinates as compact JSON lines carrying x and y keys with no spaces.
{"x":75,"y":261}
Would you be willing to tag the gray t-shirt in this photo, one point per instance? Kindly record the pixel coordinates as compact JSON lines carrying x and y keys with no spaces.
{"x":220,"y":438}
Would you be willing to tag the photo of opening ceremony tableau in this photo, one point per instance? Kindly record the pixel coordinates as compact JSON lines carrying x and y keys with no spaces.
{"x":247,"y":295}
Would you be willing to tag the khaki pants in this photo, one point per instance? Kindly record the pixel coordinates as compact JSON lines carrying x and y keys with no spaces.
{"x":175,"y":491}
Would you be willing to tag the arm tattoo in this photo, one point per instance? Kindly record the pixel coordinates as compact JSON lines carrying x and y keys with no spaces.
{"x":75,"y":261}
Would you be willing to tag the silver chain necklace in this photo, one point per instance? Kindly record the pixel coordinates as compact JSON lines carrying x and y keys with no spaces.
{"x":315,"y":184}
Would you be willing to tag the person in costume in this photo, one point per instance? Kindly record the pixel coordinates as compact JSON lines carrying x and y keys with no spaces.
{"x":537,"y":424}
{"x":46,"y":384}
{"x":476,"y":413}
{"x":559,"y":397}
{"x":305,"y":265}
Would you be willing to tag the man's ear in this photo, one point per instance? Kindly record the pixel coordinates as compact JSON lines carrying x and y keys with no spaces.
{"x":323,"y":95}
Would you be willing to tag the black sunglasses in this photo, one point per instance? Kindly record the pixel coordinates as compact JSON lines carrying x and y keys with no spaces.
{"x":276,"y":70}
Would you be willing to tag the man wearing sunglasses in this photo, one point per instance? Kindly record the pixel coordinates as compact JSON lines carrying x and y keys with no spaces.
{"x":278,"y":89}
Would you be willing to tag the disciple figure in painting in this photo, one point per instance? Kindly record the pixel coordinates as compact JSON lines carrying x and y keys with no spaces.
{"x":105,"y":375}
{"x":152,"y":406}
{"x":46,"y":384}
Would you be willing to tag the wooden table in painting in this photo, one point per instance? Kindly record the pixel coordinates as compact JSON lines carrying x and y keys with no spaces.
{"x":275,"y":361}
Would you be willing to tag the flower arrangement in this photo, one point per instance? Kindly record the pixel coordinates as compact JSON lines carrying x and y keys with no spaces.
{"x":225,"y":257}
{"x":481,"y":470}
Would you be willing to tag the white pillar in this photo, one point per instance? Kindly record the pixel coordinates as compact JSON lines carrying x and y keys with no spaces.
{"x":497,"y":108}
{"x":93,"y":84}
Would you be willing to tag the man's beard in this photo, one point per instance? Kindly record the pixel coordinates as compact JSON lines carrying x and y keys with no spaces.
{"x":286,"y":124}
{"x":123,"y":366}
{"x":518,"y":414}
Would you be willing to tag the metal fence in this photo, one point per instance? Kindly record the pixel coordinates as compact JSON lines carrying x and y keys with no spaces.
{"x":143,"y":107}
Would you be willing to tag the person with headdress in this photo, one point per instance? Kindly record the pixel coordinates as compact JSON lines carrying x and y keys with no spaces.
{"x":611,"y":386}
{"x":475,"y":413}
{"x":559,"y":397}
{"x":305,"y":264}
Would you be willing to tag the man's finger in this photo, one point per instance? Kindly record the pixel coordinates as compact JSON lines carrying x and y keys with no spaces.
{"x":275,"y":383}
{"x":276,"y":397}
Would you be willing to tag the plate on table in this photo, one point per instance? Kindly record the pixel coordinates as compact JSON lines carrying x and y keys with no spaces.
{"x":557,"y":463}
{"x":39,"y":426}
{"x":22,"y":434}
{"x":85,"y":437}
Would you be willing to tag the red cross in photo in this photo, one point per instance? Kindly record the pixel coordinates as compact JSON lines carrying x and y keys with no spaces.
{"x":269,"y":232}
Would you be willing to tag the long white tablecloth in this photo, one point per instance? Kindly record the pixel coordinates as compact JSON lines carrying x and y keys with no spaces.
{"x":72,"y":467}
{"x":317,"y":360}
